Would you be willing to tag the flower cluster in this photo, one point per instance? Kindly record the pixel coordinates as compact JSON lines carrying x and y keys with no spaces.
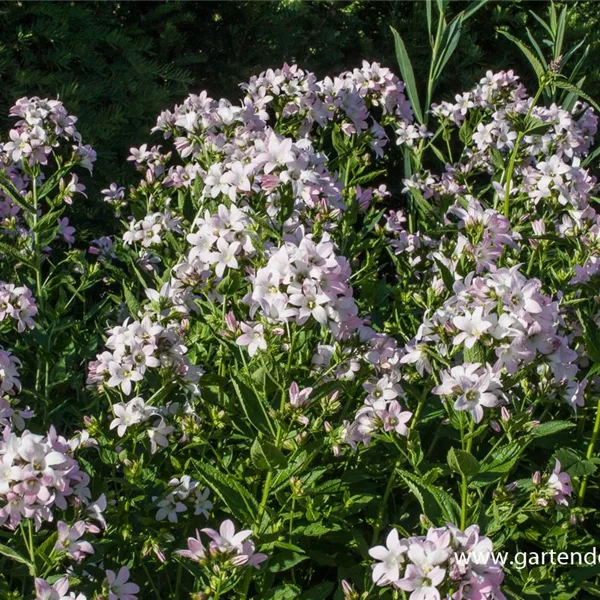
{"x":445,"y":561}
{"x":504,"y":319}
{"x":149,"y":230}
{"x":304,"y":281}
{"x":225,"y":547}
{"x":39,"y":473}
{"x":219,"y":242}
{"x":548,"y":169}
{"x":348,"y":100}
{"x":137,"y":346}
{"x":253,"y":161}
{"x":184,"y":490}
{"x":18,"y":304}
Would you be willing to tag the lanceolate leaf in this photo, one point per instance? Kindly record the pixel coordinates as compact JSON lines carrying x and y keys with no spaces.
{"x":528,"y":52}
{"x":565,"y":85}
{"x":407,"y":74}
{"x":14,"y":555}
{"x":238,"y":499}
{"x":253,"y":407}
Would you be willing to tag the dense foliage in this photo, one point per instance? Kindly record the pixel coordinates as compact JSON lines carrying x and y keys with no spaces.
{"x":149,"y":55}
{"x":280,"y":378}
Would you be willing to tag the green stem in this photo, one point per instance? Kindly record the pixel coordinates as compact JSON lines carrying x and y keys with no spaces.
{"x":589,"y":455}
{"x":386,"y":494}
{"x":464,"y":482}
{"x":218,"y":590}
{"x":513,"y":156}
{"x":28,"y":539}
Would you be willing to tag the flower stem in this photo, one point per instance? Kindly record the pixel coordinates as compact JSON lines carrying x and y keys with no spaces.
{"x":589,"y":455}
{"x":386,"y":494}
{"x":464,"y":493}
{"x":513,"y":156}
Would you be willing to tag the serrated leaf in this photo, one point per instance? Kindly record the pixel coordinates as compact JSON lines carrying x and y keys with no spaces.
{"x":132,"y":302}
{"x":15,"y":254}
{"x":253,"y":408}
{"x":476,"y":354}
{"x":14,"y":555}
{"x":502,"y":461}
{"x":565,"y":85}
{"x":550,"y":428}
{"x":447,"y":276}
{"x":430,"y":495}
{"x":463,"y":462}
{"x":238,"y":499}
{"x":267,"y":456}
{"x":528,"y":52}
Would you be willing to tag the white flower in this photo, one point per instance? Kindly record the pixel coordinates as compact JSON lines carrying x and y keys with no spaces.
{"x":131,"y":413}
{"x":225,"y":256}
{"x":253,"y":337}
{"x":202,"y":505}
{"x":472,"y":327}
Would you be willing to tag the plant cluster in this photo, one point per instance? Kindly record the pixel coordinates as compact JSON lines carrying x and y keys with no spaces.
{"x":277,"y":381}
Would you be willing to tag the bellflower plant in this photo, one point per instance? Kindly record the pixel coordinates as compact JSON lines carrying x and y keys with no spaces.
{"x":342,"y":345}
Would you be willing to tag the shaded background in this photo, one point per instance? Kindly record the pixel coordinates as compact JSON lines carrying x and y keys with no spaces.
{"x":116,"y":65}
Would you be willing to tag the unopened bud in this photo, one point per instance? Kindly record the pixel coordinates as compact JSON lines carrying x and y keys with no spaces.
{"x":231,"y":322}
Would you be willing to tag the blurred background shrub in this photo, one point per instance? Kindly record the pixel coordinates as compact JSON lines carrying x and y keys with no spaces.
{"x":118,"y":64}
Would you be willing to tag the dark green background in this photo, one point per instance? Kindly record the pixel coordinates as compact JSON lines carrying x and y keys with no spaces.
{"x":117,"y":65}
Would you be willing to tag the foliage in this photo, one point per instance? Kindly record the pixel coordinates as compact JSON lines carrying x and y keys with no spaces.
{"x":283,"y":378}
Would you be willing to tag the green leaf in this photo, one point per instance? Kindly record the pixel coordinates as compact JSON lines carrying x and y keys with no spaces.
{"x":434,"y":501}
{"x":337,"y":139}
{"x":318,"y":592}
{"x":316,"y":529}
{"x":253,"y":407}
{"x":591,"y":337}
{"x":10,"y":190}
{"x":565,"y":85}
{"x":447,"y":276}
{"x":535,"y":126}
{"x":407,"y":74}
{"x":476,"y":354}
{"x":267,"y":456}
{"x":448,"y":45}
{"x":463,"y":462}
{"x":465,"y":132}
{"x":472,"y":8}
{"x":238,"y":499}
{"x":285,"y":560}
{"x":502,"y":461}
{"x":15,"y":254}
{"x":283,"y":592}
{"x":132,"y":302}
{"x":574,"y":464}
{"x":528,"y":52}
{"x":230,"y":284}
{"x":14,"y":555}
{"x":550,"y":428}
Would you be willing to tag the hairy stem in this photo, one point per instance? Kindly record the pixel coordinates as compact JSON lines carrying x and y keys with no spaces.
{"x":589,"y":455}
